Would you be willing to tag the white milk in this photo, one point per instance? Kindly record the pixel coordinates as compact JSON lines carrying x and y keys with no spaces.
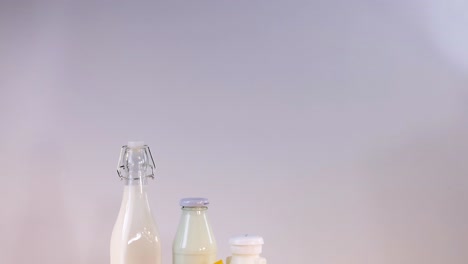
{"x":135,"y":238}
{"x":194,"y":242}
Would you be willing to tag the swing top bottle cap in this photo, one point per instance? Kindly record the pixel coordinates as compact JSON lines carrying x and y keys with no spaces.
{"x":194,"y":202}
{"x":135,"y":144}
{"x":135,"y":161}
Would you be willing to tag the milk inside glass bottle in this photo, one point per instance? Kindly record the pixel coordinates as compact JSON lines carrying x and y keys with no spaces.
{"x":135,"y":237}
{"x":194,"y":242}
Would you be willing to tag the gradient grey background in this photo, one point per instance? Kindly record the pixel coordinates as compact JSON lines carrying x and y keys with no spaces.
{"x":338,"y":130}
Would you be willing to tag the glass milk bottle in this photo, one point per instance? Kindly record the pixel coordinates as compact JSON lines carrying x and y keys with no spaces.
{"x":194,"y":242}
{"x":135,"y":238}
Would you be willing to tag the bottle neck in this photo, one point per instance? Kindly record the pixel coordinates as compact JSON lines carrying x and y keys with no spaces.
{"x":135,"y":202}
{"x":132,"y":181}
{"x":135,"y":188}
{"x":194,"y":210}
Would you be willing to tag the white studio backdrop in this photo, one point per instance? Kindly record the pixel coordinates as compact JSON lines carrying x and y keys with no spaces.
{"x":337,"y":130}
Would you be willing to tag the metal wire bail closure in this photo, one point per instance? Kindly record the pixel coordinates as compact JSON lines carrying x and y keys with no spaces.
{"x":122,"y":166}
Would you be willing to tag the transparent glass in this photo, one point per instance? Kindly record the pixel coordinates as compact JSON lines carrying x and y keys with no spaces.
{"x":194,"y":242}
{"x":135,"y":237}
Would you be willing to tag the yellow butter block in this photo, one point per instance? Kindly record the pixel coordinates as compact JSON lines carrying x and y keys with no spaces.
{"x":219,"y":262}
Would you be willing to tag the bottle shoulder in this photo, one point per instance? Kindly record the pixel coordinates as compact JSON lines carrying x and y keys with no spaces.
{"x":194,"y":236}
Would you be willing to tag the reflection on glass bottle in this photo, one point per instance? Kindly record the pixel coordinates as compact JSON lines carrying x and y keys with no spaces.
{"x":135,"y":238}
{"x":194,"y":242}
